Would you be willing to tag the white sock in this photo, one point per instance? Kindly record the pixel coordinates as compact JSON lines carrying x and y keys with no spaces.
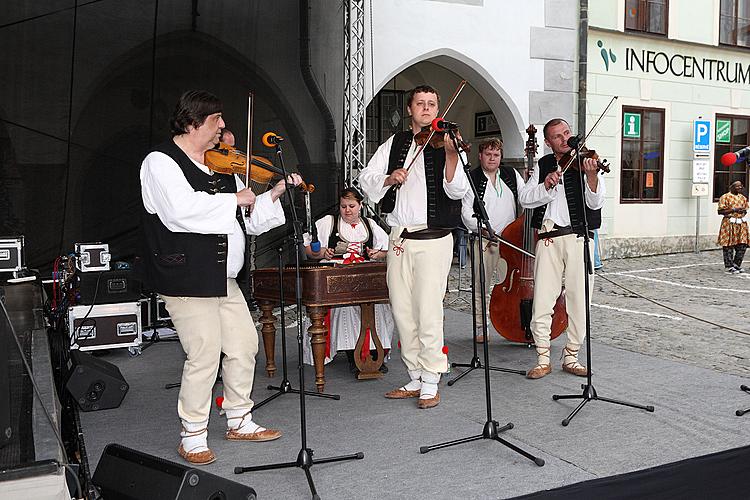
{"x":416,"y":383}
{"x":241,"y":420}
{"x":192,"y":440}
{"x":429,"y":385}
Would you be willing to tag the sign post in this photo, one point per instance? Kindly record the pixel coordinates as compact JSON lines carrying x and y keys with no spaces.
{"x":702,"y":165}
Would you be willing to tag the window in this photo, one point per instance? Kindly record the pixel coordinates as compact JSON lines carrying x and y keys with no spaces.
{"x":734,"y":23}
{"x":731,"y":135}
{"x":642,"y":169}
{"x":648,"y":16}
{"x":385,"y":115}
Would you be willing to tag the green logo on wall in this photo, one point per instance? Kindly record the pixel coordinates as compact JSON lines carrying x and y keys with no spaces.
{"x":607,"y":54}
{"x":724,"y":131}
{"x":631,"y":125}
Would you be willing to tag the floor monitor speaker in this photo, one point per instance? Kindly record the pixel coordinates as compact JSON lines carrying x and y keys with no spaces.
{"x":95,"y":384}
{"x":126,"y":474}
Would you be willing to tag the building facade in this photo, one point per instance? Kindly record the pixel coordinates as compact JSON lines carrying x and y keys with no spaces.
{"x":681,"y":71}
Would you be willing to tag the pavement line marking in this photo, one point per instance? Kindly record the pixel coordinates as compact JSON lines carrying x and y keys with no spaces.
{"x":685,"y":285}
{"x":656,"y":315}
{"x":663,"y":268}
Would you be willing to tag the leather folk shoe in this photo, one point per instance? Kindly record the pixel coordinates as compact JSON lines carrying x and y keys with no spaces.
{"x":539,"y":371}
{"x":258,"y":436}
{"x":423,"y":404}
{"x":197,"y":458}
{"x":576,"y":368}
{"x":401,"y":393}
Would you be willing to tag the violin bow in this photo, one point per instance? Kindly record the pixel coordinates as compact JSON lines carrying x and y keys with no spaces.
{"x":250,"y":98}
{"x":583,"y":142}
{"x":432,"y":132}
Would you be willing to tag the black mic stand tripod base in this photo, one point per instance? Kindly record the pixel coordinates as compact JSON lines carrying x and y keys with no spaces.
{"x":739,"y":413}
{"x":491,"y":428}
{"x":589,"y":393}
{"x":285,"y":386}
{"x":304,"y":459}
{"x":475,"y":363}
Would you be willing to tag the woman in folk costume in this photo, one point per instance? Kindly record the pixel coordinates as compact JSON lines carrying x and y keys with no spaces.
{"x":353,"y":239}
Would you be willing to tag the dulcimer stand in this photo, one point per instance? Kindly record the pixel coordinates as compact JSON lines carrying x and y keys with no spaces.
{"x":304,"y":458}
{"x":491,"y":428}
{"x":589,"y":393}
{"x":475,"y":363}
{"x":285,"y":387}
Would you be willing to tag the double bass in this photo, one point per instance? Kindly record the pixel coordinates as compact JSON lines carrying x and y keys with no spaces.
{"x":511,"y":301}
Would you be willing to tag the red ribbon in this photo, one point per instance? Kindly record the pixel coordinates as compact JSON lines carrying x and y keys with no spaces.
{"x":365,"y":346}
{"x":353,"y":258}
{"x":327,"y":323}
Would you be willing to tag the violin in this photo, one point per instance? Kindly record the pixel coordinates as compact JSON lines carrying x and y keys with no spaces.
{"x":437,"y":139}
{"x":226,"y":159}
{"x":569,"y":159}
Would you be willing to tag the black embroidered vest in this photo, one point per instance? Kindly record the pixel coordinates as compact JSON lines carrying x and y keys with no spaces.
{"x":576,"y":206}
{"x":335,"y":238}
{"x":442,"y":212}
{"x":188,"y":264}
{"x":507,"y":175}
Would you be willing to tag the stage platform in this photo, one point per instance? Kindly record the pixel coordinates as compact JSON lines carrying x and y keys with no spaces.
{"x":695,"y":415}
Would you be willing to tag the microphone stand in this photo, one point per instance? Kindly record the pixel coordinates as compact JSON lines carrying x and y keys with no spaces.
{"x":285,"y":387}
{"x":491,"y":428}
{"x":305,"y":456}
{"x":589,"y":393}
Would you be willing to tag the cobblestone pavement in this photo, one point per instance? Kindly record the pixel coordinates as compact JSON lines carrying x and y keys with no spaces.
{"x":695,"y":284}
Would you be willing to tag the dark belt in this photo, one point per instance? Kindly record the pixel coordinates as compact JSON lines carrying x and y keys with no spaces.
{"x":425,"y":234}
{"x":562,"y":231}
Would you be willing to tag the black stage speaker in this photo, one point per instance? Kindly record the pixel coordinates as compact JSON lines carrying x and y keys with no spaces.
{"x":125,"y":474}
{"x":113,"y":286}
{"x":95,"y":384}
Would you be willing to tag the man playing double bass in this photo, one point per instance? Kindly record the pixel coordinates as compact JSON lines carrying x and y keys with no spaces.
{"x":558,"y":215}
{"x":497,"y":185}
{"x":422,"y":214}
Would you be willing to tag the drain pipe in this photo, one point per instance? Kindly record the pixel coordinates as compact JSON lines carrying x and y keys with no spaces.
{"x":583,"y":38}
{"x":312,"y":85}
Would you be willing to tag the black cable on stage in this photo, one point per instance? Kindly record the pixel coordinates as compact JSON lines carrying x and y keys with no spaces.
{"x":656,"y":302}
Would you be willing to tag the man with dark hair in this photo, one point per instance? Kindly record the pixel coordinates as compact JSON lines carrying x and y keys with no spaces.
{"x":194,"y":250}
{"x":497,"y":186}
{"x":559,"y":216}
{"x":733,"y":235}
{"x":422,"y":212}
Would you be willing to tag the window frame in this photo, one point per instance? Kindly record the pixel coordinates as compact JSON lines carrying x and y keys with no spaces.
{"x":642,"y":179}
{"x":732,"y":147}
{"x":643,"y":18}
{"x":735,"y":19}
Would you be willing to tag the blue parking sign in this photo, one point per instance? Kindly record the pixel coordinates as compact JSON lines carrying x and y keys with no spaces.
{"x":701,"y":136}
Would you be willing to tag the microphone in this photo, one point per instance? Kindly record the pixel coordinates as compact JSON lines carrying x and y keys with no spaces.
{"x":314,"y":243}
{"x":728,"y":159}
{"x":574,"y":141}
{"x":271,"y":139}
{"x":440,"y":125}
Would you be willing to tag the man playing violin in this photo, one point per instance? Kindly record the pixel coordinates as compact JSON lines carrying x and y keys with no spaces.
{"x":558,"y":215}
{"x":422,"y":213}
{"x":194,"y":251}
{"x":497,"y":186}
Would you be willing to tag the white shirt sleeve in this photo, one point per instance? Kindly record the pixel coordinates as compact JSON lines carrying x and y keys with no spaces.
{"x":533,"y":194}
{"x":595,"y":201}
{"x":372,"y":177}
{"x":266,"y":214}
{"x":467,"y":211}
{"x":324,"y":225}
{"x":379,"y":237}
{"x":459,"y":186}
{"x":167,"y":193}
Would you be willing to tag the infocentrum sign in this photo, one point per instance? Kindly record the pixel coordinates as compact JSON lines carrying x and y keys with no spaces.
{"x":668,"y":59}
{"x":648,"y":61}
